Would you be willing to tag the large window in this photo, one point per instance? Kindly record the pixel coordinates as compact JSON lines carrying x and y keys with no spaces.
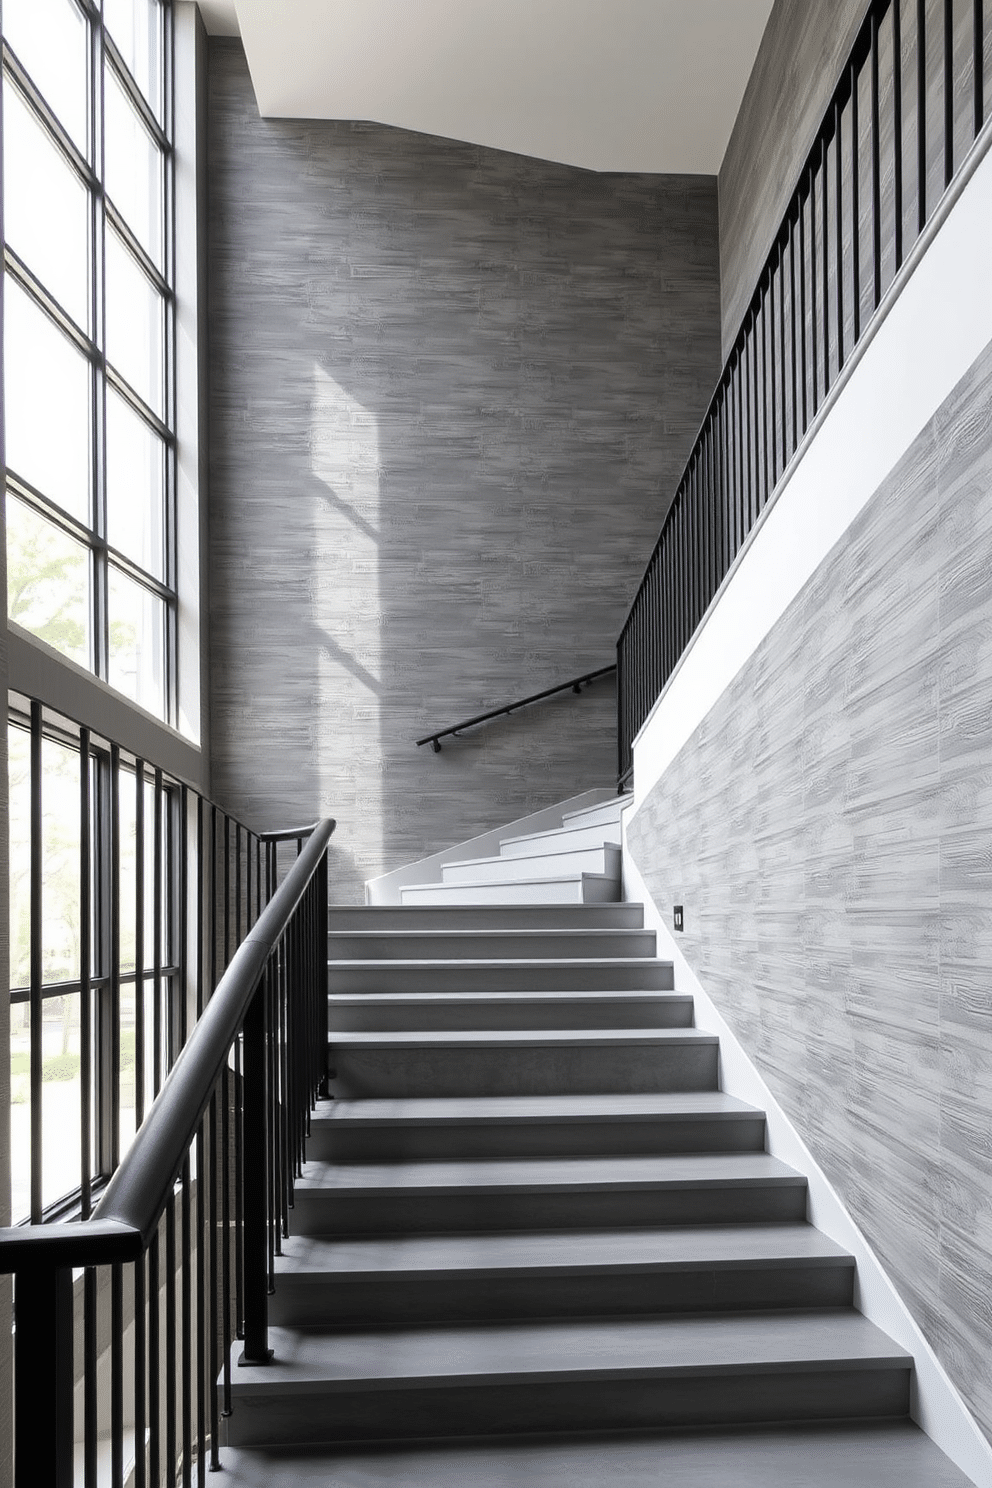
{"x":89,"y":396}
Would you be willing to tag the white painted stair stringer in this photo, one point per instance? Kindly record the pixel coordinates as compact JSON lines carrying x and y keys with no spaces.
{"x":935,"y":1403}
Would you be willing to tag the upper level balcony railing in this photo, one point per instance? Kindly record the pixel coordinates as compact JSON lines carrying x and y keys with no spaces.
{"x":909,"y":105}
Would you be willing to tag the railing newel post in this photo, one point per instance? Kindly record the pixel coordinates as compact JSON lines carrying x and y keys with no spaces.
{"x":43,"y":1372}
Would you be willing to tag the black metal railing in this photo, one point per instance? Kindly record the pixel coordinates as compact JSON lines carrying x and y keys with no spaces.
{"x":909,"y":104}
{"x":176,"y":1249}
{"x":574,"y":684}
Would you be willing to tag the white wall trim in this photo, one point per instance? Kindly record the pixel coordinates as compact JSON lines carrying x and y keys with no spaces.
{"x":936,"y":1405}
{"x":936,"y":321}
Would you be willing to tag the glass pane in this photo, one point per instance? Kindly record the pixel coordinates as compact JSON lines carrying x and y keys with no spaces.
{"x":136,"y":27}
{"x":135,"y":487}
{"x":60,"y":859}
{"x":20,"y":1111}
{"x":128,"y":860}
{"x":137,"y":642}
{"x":48,"y":582}
{"x":135,"y":324}
{"x":49,"y":37}
{"x":133,"y":169}
{"x":127,"y":1044}
{"x":46,"y":405}
{"x":60,"y":1098}
{"x":46,"y":210}
{"x":60,"y":942}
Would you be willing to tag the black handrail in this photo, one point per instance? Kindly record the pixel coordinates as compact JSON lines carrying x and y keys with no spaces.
{"x":842,"y":241}
{"x":270,"y":1008}
{"x":574,"y":685}
{"x":136,"y":1196}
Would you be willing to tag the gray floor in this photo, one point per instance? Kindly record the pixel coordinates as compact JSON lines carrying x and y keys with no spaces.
{"x":887,"y":1456}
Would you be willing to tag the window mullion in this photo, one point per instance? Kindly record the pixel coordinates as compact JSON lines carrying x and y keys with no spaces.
{"x":171,"y":390}
{"x":101,"y":623}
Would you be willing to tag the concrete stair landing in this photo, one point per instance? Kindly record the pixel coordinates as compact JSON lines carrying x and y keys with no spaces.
{"x":534,"y":1242}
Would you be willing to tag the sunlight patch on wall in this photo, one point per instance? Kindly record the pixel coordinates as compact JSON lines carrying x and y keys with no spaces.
{"x":347,"y":615}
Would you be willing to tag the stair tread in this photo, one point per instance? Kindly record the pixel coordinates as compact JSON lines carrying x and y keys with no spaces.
{"x":679,"y":1170}
{"x":459,"y":1109}
{"x":883,"y":1454}
{"x":519,"y":1038}
{"x":691,"y":1248}
{"x":556,"y":1349}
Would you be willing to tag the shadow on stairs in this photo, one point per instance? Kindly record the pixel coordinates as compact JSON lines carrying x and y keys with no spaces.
{"x":535,"y":1243}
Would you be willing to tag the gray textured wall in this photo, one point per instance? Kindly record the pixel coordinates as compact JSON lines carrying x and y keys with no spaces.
{"x":451,"y":393}
{"x":797,"y":66}
{"x":827,"y":829}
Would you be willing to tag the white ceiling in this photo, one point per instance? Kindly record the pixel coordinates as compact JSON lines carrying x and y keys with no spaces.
{"x":610,"y":85}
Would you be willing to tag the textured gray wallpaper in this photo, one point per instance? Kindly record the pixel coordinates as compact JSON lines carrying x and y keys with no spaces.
{"x":452,"y":391}
{"x":829,"y":830}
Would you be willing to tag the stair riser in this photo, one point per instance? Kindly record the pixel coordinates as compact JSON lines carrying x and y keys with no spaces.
{"x":567,"y":839}
{"x":365,"y":919}
{"x":559,"y":1069}
{"x":593,"y":816}
{"x":358,"y":1015}
{"x":340,"y":1142}
{"x":502,"y":976}
{"x":616,"y":1402}
{"x":484,"y":944}
{"x":547,"y":865}
{"x":384,"y":1300}
{"x":560,"y":892}
{"x":398,"y":1212}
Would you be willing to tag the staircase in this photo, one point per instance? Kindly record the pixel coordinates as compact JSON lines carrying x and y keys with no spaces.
{"x":535,"y":1243}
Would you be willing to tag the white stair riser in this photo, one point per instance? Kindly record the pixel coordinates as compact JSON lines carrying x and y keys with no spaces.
{"x":485,"y":917}
{"x":550,"y":865}
{"x":570,"y":889}
{"x":566,"y":840}
{"x":606,"y":814}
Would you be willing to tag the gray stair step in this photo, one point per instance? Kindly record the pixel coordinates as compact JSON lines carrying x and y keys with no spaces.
{"x":599,"y":974}
{"x":550,"y":864}
{"x":534,"y":1126}
{"x":383,"y":1011}
{"x":874,"y":1454}
{"x":546,"y":1193}
{"x":562,"y":889}
{"x":497,"y":945}
{"x":377,"y":918}
{"x":415,"y":1278}
{"x":534,"y":1061}
{"x":560,"y":1375}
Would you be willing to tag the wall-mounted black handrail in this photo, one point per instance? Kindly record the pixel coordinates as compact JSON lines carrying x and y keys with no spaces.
{"x":863,"y":196}
{"x":575,"y":684}
{"x":270,"y":1008}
